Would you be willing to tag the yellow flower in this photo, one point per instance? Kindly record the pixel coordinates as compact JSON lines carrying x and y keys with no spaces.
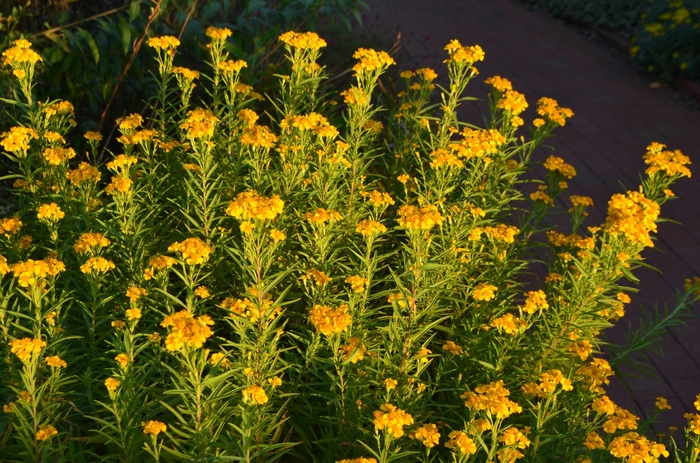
{"x":57,"y":156}
{"x":303,"y":40}
{"x":93,"y":136}
{"x":673,"y":163}
{"x":31,"y":271}
{"x":118,"y":324}
{"x":95,"y":265}
{"x":662,"y":404}
{"x":390,"y":384}
{"x":452,"y":348}
{"x":259,"y":136}
{"x":499,"y":83}
{"x":187,"y":330}
{"x":358,"y":460}
{"x":277,"y":235}
{"x":484,"y":292}
{"x":153,"y":427}
{"x":119,"y":185}
{"x":461,"y":442}
{"x":378,"y":198}
{"x":492,"y":398}
{"x":370,"y":228}
{"x":219,"y":358}
{"x":354,"y":351}
{"x":231,"y":66}
{"x":693,"y":422}
{"x":392,"y":419}
{"x":423,"y":218}
{"x":328,"y":320}
{"x":371,"y":60}
{"x":24,"y":348}
{"x":320,"y":216}
{"x":557,"y":164}
{"x":112,"y":384}
{"x":165,"y":42}
{"x":250,"y":205}
{"x":56,"y":362}
{"x":8,"y":408}
{"x":254,"y":395}
{"x":275,"y":381}
{"x":17,"y":139}
{"x":193,"y":250}
{"x":593,"y":441}
{"x":357,"y":283}
{"x":464,"y":54}
{"x":509,"y":324}
{"x":428,"y":435}
{"x":551,"y":111}
{"x":581,"y":201}
{"x":218,"y":33}
{"x":84,"y":173}
{"x":134,"y":293}
{"x":633,"y":216}
{"x":45,"y":433}
{"x":133,"y":314}
{"x":633,"y":447}
{"x":49,"y":212}
{"x":514,"y":437}
{"x":200,"y":123}
{"x":123,"y":360}
{"x":621,"y":419}
{"x":87,"y":242}
{"x":202,"y":291}
{"x":130,"y":122}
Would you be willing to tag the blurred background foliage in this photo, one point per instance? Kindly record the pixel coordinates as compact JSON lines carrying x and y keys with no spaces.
{"x":664,"y":35}
{"x":92,"y":53}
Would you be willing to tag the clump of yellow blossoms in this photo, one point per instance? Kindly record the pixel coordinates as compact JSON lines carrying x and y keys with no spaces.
{"x":134,"y":293}
{"x":356,"y":347}
{"x":320,"y":216}
{"x":359,"y":460}
{"x":557,"y":164}
{"x":49,"y":212}
{"x":186,"y":329}
{"x":464,"y":54}
{"x":84,"y":173}
{"x":371,"y":60}
{"x":492,"y":398}
{"x":423,"y":218}
{"x":427,"y":434}
{"x":112,"y":384}
{"x":20,"y":53}
{"x":251,"y":205}
{"x":153,"y":427}
{"x":119,"y":185}
{"x":166,"y":43}
{"x":549,"y":381}
{"x":536,"y":300}
{"x":392,"y":419}
{"x":484,"y":292}
{"x":303,"y":40}
{"x":636,"y":448}
{"x":95,"y":265}
{"x":550,"y":110}
{"x":673,"y":163}
{"x":255,"y":395}
{"x":193,"y":250}
{"x":10,"y":226}
{"x":45,"y":433}
{"x":200,"y":123}
{"x":31,"y":271}
{"x":252,"y":310}
{"x":478,"y":143}
{"x":509,"y":324}
{"x":596,"y":373}
{"x":217,"y":33}
{"x":357,"y":283}
{"x":17,"y":139}
{"x":25,"y":347}
{"x":370,"y":228}
{"x":461,"y":442}
{"x":89,"y":242}
{"x":328,"y":320}
{"x":632,"y":215}
{"x":56,"y":362}
{"x":158,"y":263}
{"x":57,"y":156}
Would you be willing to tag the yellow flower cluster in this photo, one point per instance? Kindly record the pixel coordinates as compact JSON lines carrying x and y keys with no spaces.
{"x":130,"y":122}
{"x":122,"y":163}
{"x":217,"y":33}
{"x":583,"y":348}
{"x":356,"y":282}
{"x":158,"y":263}
{"x":355,"y":349}
{"x":89,"y":241}
{"x":673,"y":163}
{"x":20,"y":53}
{"x":153,"y":427}
{"x":119,"y":185}
{"x":596,"y":373}
{"x":320,"y":216}
{"x":452,"y":348}
{"x":31,"y":271}
{"x":313,"y":122}
{"x":10,"y":226}
{"x":536,"y":300}
{"x":540,"y":195}
{"x":464,"y":54}
{"x":620,"y":419}
{"x":185,"y":73}
{"x":17,"y":139}
{"x":61,"y":107}
{"x":193,"y":250}
{"x":427,"y":434}
{"x":593,"y":441}
{"x":303,"y":40}
{"x":258,"y":136}
{"x":165,"y":42}
{"x":484,"y":292}
{"x":513,"y":103}
{"x":93,"y":136}
{"x":693,"y":421}
{"x":478,"y":143}
{"x":392,"y":419}
{"x":56,"y":362}
{"x":444,"y":158}
{"x":56,"y":156}
{"x":423,"y":218}
{"x":328,"y":320}
{"x":557,"y":164}
{"x":251,"y":205}
{"x":251,"y":310}
{"x":255,"y":395}
{"x":499,"y":83}
{"x":371,"y":60}
{"x":549,"y":381}
{"x":49,"y":212}
{"x":186,"y":329}
{"x":637,"y":449}
{"x":492,"y":398}
{"x":232,"y":67}
{"x":85,"y":172}
{"x":359,"y":460}
{"x":514,"y":437}
{"x":45,"y":433}
{"x":558,"y":239}
{"x":25,"y":347}
{"x":632,"y":215}
{"x":581,"y":201}
{"x":355,"y":96}
{"x":550,"y":110}
{"x":95,"y":265}
{"x":200,"y":123}
{"x":509,"y":324}
{"x":378,"y":198}
{"x":368,"y":227}
{"x":461,"y":442}
{"x":112,"y":384}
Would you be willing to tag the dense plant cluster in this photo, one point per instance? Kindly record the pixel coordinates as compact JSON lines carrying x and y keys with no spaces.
{"x":247,"y":285}
{"x":665,"y":34}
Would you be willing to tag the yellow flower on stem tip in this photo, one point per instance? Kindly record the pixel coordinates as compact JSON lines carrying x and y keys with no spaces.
{"x":254,"y":395}
{"x":45,"y":433}
{"x":112,"y":384}
{"x":153,"y":427}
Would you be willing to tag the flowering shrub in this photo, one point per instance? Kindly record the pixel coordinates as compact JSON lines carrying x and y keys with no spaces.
{"x":309,"y":283}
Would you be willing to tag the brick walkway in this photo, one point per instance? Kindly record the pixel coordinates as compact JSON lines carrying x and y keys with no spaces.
{"x":616,"y":117}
